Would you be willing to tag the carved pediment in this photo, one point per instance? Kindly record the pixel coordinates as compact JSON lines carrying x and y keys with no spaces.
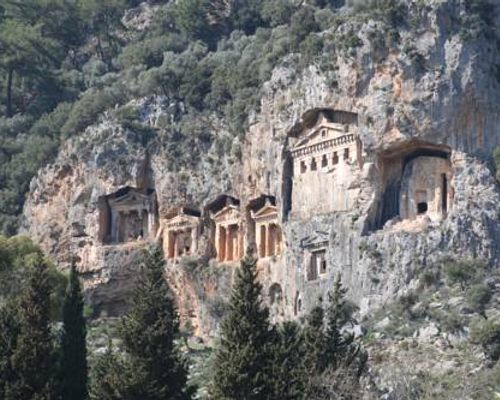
{"x":181,"y":221}
{"x":229,"y":213}
{"x":131,"y":198}
{"x":321,"y":133}
{"x":268,"y":211}
{"x":316,"y":240}
{"x":324,"y":134}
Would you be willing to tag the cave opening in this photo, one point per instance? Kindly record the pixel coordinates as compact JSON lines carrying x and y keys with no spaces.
{"x":416,"y":180}
{"x":444,"y":193}
{"x":422,"y":208}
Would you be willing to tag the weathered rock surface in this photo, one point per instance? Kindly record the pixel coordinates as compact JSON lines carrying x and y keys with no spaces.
{"x":449,"y":104}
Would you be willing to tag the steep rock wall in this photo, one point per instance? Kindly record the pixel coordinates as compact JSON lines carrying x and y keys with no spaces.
{"x":448,"y":104}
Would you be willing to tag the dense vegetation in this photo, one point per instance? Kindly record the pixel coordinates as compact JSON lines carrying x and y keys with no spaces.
{"x":64,"y":62}
{"x":254,"y":360}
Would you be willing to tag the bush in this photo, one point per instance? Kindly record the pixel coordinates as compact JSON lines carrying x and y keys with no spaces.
{"x":277,"y":12}
{"x":463,"y":272}
{"x":496,"y":161}
{"x":149,"y":52}
{"x":478,"y":297}
{"x":428,"y":279}
{"x":405,"y":302}
{"x":449,"y":320}
{"x":217,"y":307}
{"x":86,"y":111}
{"x":393,"y":11}
{"x":478,"y":20}
{"x":487,"y":334}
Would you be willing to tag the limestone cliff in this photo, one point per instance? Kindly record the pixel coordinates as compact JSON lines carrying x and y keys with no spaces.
{"x":419,"y":121}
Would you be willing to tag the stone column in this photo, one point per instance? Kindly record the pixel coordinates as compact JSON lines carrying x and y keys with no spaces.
{"x":175,"y":244}
{"x":114,"y":226}
{"x":151,"y":224}
{"x":268,"y":240}
{"x":216,"y":241}
{"x":194,"y":240}
{"x":228,"y":244}
{"x":257,"y":239}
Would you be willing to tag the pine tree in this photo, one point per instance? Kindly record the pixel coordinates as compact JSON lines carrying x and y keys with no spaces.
{"x":314,"y":339}
{"x":112,"y":377}
{"x":334,"y":360}
{"x":243,"y":360}
{"x":289,"y":374}
{"x":9,"y":330}
{"x":149,"y":331}
{"x":73,"y":345}
{"x":341,"y":350}
{"x":33,"y":358}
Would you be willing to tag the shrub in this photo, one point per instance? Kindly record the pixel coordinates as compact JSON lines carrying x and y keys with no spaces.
{"x":406,"y":302}
{"x":150,"y":51}
{"x":428,"y":278}
{"x":217,"y":307}
{"x":478,"y":296}
{"x":463,"y":272}
{"x":393,"y":11}
{"x":478,"y":19}
{"x":487,"y":334}
{"x":449,"y":320}
{"x":302,"y":24}
{"x":496,"y":161}
{"x":277,"y":12}
{"x":86,"y":111}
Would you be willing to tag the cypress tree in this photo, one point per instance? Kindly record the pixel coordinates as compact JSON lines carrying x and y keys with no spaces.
{"x":9,"y":330}
{"x":334,"y":360}
{"x":243,"y":360}
{"x":73,"y":345}
{"x":314,"y":338}
{"x":289,"y":375}
{"x":33,"y":358}
{"x":149,"y":331}
{"x":112,"y":377}
{"x":341,"y":349}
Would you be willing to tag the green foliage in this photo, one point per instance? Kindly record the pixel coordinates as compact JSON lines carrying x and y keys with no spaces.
{"x":243,"y":360}
{"x":393,"y":11}
{"x":478,"y":20}
{"x":334,"y":360}
{"x":111,"y":377}
{"x":487,"y":334}
{"x":496,"y":162}
{"x":33,"y":359}
{"x":277,"y":12}
{"x":73,"y":343}
{"x":18,"y":255}
{"x":417,"y":59}
{"x":478,"y":297}
{"x":102,"y":18}
{"x":428,"y":278}
{"x":289,"y":375}
{"x":191,"y":16}
{"x":341,"y":349}
{"x":448,"y":319}
{"x":151,"y":365}
{"x":72,"y":60}
{"x":9,"y":331}
{"x":463,"y":272}
{"x":313,"y":339}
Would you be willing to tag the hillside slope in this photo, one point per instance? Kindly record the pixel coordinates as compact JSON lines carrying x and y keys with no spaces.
{"x":331,"y":140}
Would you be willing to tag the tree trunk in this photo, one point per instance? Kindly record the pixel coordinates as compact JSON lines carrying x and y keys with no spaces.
{"x":10,"y":76}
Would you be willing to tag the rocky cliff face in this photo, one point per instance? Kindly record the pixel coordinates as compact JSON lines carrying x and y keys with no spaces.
{"x":432,"y":97}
